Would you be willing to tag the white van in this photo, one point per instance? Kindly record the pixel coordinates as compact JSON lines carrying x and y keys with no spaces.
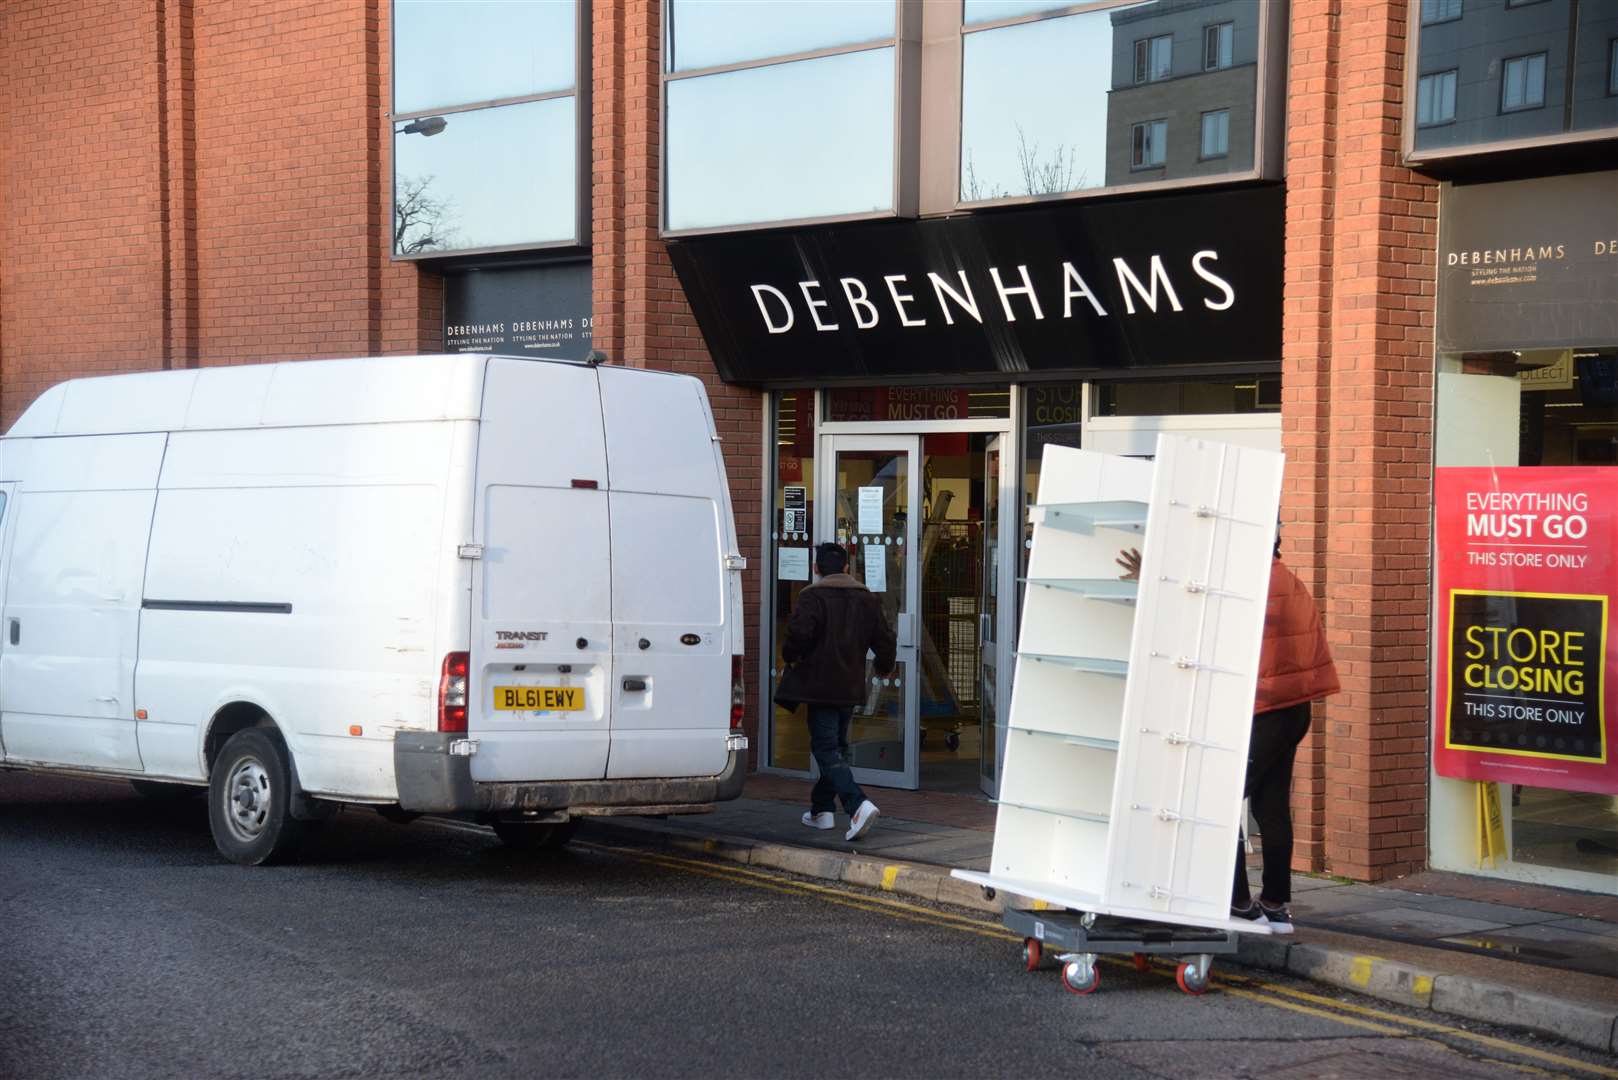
{"x":475,"y":585}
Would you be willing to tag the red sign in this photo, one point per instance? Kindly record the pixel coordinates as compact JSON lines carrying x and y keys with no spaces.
{"x":1526,"y":579}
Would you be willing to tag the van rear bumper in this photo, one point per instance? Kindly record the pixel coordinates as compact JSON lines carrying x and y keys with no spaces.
{"x":433,"y":781}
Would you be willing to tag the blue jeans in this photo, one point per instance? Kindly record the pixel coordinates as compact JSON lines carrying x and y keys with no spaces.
{"x":828,"y":742}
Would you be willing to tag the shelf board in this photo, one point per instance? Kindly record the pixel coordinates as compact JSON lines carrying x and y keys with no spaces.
{"x":1112,"y":589}
{"x":1098,"y":665}
{"x":1071,"y":815}
{"x":1087,"y":517}
{"x":1072,"y":740}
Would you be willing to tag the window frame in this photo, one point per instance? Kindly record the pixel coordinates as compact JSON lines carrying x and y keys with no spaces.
{"x":1213,"y":28}
{"x":1144,"y":48}
{"x":941,"y":127}
{"x":1544,"y":73}
{"x":1460,"y":9}
{"x":579,"y":92}
{"x":1162,"y":146}
{"x":1202,"y":134}
{"x":906,"y":46}
{"x":1456,"y":73}
{"x":1612,"y":67}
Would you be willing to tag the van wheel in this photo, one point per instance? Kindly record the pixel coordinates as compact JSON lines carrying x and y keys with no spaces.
{"x":160,"y":792}
{"x":523,"y":836}
{"x":249,"y":799}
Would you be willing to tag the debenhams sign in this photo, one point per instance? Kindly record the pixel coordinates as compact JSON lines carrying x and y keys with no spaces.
{"x":957,"y":298}
{"x":1174,"y":281}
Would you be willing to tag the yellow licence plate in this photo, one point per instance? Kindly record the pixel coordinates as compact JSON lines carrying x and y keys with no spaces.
{"x":539,"y":698}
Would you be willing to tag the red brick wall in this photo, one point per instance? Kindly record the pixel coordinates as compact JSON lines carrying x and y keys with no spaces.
{"x":641,"y":315}
{"x":196,"y":181}
{"x":1357,"y":428}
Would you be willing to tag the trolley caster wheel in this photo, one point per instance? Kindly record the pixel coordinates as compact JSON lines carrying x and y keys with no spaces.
{"x":952,"y":741}
{"x":1033,"y":953}
{"x":1188,"y":979}
{"x":988,"y":892}
{"x":1080,"y":978}
{"x":1142,"y":962}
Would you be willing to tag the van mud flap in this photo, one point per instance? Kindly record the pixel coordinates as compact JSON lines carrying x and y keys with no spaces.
{"x":432,"y":780}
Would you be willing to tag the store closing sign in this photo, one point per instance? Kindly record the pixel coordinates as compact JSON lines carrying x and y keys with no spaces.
{"x":1526,"y":580}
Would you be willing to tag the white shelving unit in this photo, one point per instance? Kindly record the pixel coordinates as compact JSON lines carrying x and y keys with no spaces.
{"x":1132,"y":706}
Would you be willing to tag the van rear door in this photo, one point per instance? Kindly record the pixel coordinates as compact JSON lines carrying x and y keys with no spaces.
{"x":541,"y":656}
{"x":671,"y":533}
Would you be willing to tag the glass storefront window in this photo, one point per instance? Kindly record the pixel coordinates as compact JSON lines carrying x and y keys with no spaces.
{"x":1530,"y":408}
{"x":791,"y":532}
{"x":914,"y":403}
{"x":740,"y":148}
{"x":982,"y":11}
{"x":1505,"y":73}
{"x":486,"y":178}
{"x":709,"y":33}
{"x":1243,"y":394}
{"x":451,"y":52}
{"x":1057,"y":105}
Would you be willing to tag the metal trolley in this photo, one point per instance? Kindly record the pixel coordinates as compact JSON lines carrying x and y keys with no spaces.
{"x":1078,"y":938}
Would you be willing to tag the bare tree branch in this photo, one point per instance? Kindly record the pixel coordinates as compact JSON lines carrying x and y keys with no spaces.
{"x":421,"y":221}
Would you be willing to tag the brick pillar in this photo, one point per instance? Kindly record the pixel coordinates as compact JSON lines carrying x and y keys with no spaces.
{"x":1358,"y":420}
{"x":1306,"y":356}
{"x":641,"y":315}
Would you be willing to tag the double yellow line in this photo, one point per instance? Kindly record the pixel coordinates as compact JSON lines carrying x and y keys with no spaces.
{"x":1376,"y":1021}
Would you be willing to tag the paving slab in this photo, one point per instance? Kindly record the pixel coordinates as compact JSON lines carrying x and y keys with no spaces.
{"x":1409,"y":922}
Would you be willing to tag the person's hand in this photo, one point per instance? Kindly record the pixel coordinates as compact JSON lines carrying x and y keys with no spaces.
{"x":1129,"y":559}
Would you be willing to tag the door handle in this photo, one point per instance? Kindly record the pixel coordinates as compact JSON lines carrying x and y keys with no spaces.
{"x":108,"y":700}
{"x":16,"y":631}
{"x":635,"y":686}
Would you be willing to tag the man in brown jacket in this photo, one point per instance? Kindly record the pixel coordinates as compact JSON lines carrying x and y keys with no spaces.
{"x":836,"y":621}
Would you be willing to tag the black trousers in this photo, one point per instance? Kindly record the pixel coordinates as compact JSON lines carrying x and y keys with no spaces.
{"x":828,"y":742}
{"x":1270,"y":754}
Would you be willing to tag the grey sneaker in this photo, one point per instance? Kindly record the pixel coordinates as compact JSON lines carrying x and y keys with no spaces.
{"x":1278,"y":915}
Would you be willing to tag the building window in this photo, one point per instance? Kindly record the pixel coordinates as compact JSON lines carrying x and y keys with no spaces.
{"x":744,"y":109}
{"x":1218,"y":46}
{"x":1437,"y":11}
{"x":1215,"y":134}
{"x":1435,"y":99}
{"x":1148,"y":142}
{"x":1154,"y":58}
{"x":1522,"y":83}
{"x":468,"y":175}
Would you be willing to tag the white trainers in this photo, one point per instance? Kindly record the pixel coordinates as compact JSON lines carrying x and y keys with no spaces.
{"x":861,"y":822}
{"x":823,"y":820}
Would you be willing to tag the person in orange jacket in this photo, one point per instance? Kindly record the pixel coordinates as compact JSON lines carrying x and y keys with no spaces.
{"x":1295,"y":669}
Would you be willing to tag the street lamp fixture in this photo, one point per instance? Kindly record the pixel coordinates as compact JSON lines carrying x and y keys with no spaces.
{"x":427,"y":125}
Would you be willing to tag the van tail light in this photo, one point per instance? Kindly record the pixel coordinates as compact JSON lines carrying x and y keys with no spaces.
{"x":452,"y":692}
{"x":738,"y":694}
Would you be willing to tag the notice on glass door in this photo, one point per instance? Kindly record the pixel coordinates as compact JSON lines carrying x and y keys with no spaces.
{"x":792,"y":564}
{"x":871,"y":510}
{"x":876,"y":567}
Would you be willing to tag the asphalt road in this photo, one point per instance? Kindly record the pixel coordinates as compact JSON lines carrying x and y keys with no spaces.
{"x":128,"y":948}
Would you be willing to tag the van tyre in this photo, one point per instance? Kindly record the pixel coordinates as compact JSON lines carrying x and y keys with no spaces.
{"x":526,"y":836}
{"x":249,"y":800}
{"x":160,"y":792}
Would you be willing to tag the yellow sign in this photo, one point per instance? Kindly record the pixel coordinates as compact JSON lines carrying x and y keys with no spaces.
{"x":1491,"y":825}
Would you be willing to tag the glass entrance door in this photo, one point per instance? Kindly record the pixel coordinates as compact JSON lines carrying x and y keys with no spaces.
{"x":874,"y":486}
{"x":989,"y":737}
